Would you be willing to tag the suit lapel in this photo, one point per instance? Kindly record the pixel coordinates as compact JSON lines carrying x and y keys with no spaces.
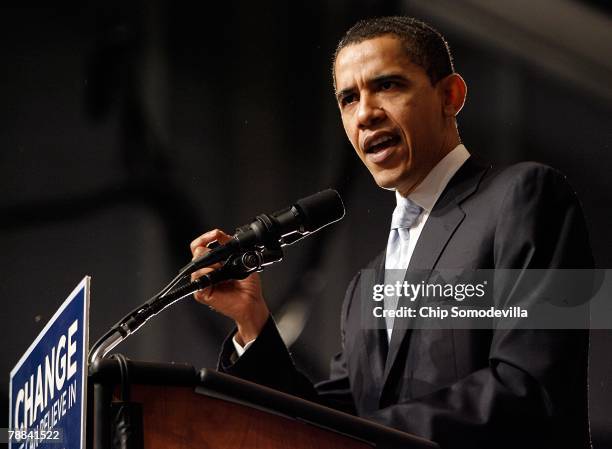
{"x":375,"y":336}
{"x":443,"y":220}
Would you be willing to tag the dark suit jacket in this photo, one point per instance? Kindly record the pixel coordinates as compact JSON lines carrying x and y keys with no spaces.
{"x":462,"y":388}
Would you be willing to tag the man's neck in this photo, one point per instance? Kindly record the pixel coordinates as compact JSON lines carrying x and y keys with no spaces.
{"x":450,"y":142}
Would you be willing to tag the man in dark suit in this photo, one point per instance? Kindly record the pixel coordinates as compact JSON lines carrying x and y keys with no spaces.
{"x":398,"y":96}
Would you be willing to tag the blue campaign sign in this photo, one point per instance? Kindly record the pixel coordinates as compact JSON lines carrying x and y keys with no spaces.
{"x":48,"y":384}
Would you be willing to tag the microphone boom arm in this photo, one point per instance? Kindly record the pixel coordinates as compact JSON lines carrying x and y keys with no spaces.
{"x":237,"y":266}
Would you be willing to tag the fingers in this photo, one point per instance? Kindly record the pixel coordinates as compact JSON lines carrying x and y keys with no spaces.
{"x":203,"y":296}
{"x":201,"y":272}
{"x":222,"y":297}
{"x":198,"y":246}
{"x":210,"y":295}
{"x":198,"y":249}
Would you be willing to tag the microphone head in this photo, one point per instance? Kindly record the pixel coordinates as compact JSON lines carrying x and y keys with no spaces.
{"x":320,"y":209}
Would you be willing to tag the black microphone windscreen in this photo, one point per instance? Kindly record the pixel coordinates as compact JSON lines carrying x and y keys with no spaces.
{"x":320,"y":209}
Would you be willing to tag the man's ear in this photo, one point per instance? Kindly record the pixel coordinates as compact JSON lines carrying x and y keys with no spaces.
{"x":454,"y":91}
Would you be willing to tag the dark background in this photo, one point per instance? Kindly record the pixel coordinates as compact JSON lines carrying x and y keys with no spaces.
{"x":129,"y":128}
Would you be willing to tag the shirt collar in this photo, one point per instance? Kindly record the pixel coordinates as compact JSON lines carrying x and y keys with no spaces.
{"x":429,"y":190}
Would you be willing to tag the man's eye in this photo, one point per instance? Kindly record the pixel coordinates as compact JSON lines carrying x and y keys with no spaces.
{"x":347,"y":99}
{"x":386,"y":85}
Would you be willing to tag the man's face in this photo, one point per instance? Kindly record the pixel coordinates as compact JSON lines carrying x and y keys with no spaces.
{"x":391,"y":113}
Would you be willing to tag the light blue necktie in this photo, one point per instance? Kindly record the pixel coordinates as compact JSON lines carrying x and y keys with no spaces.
{"x":404,"y":217}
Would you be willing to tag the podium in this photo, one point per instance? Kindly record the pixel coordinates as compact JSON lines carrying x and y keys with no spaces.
{"x":182,"y":407}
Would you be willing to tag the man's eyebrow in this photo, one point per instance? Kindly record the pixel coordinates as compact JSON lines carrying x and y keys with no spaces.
{"x":375,"y":80}
{"x":343,"y":92}
{"x":388,"y":77}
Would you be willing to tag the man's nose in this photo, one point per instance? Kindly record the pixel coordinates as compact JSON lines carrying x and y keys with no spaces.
{"x":369,"y":112}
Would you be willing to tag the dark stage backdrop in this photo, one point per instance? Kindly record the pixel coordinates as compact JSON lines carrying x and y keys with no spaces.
{"x":129,"y":128}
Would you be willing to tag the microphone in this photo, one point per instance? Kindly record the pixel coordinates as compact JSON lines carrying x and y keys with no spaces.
{"x":280,"y":228}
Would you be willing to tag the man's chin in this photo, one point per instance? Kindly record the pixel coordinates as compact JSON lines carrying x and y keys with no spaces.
{"x":386,"y":184}
{"x":393,"y":183}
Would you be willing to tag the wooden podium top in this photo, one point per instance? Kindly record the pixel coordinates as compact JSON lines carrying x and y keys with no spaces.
{"x":206,"y":408}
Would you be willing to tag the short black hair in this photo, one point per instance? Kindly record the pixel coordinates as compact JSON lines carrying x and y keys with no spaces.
{"x":424,"y":45}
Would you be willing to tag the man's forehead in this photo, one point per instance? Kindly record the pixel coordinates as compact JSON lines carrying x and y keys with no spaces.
{"x":371,"y":58}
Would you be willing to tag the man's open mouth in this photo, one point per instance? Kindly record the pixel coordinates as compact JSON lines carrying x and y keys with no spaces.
{"x":382,"y":143}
